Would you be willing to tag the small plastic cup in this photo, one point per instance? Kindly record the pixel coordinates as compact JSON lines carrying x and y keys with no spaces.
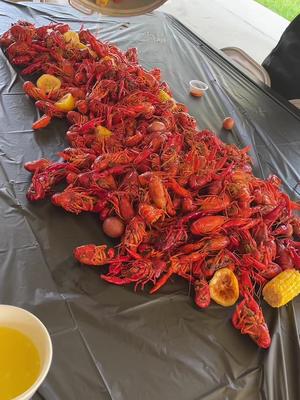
{"x":198,"y":88}
{"x":28,"y":324}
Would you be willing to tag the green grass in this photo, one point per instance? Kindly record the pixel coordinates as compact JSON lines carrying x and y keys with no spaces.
{"x":288,"y":9}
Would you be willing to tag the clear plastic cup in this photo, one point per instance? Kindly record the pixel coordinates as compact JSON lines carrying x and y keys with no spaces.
{"x":198,"y":88}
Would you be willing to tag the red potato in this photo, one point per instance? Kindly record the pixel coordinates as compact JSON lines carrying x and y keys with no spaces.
{"x":157,"y":126}
{"x":113,"y":227}
{"x":228,"y":123}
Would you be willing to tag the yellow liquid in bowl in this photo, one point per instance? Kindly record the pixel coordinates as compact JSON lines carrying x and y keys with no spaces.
{"x":20,"y":363}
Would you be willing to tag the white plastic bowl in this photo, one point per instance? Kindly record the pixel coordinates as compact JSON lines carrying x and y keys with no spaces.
{"x":28,"y":324}
{"x":198,"y":88}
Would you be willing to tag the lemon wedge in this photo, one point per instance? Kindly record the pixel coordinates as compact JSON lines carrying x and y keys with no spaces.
{"x":103,"y":132}
{"x":48,"y":83}
{"x":224,"y":287}
{"x":66,"y":103}
{"x":71,"y":36}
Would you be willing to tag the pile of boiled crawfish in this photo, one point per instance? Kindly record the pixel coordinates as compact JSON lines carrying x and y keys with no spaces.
{"x":184,"y":202}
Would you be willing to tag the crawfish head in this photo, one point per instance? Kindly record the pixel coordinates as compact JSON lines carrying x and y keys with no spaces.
{"x":172,"y":236}
{"x":75,"y":200}
{"x":139,"y":271}
{"x":202,"y":293}
{"x":91,"y":254}
{"x":6,"y":39}
{"x":249,"y":319}
{"x":37,"y":165}
{"x":44,"y":180}
{"x":178,"y":265}
{"x":18,"y":49}
{"x":49,"y":109}
{"x":135,"y":233}
{"x":23,"y":33}
{"x":149,"y":213}
{"x":33,"y":91}
{"x":79,"y":158}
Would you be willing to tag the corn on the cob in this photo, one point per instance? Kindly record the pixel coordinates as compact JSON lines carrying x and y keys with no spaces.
{"x":283,"y":288}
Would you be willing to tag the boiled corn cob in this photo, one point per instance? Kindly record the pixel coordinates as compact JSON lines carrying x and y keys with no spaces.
{"x":283,"y":288}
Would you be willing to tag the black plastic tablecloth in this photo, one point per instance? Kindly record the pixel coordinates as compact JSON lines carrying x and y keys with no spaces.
{"x":109,"y":342}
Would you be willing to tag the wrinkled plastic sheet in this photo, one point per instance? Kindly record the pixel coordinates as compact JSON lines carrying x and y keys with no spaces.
{"x":109,"y":342}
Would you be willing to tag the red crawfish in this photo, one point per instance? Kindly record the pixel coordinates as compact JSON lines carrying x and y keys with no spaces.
{"x":97,"y":180}
{"x":37,"y":165}
{"x":101,"y":89}
{"x":185,"y":121}
{"x":214,"y":203}
{"x":240,"y":156}
{"x":61,"y":67}
{"x":104,"y":161}
{"x":43,"y":181}
{"x":36,"y":65}
{"x":193,"y":162}
{"x":246,"y":284}
{"x":134,"y":140}
{"x":79,"y":158}
{"x":150,"y":214}
{"x":179,"y":265}
{"x":187,"y":204}
{"x":43,"y":31}
{"x":49,"y":108}
{"x":207,"y":225}
{"x":87,"y":37}
{"x":179,"y":190}
{"x":122,"y":204}
{"x":271,"y":217}
{"x":33,"y":91}
{"x":131,"y":55}
{"x":283,"y":230}
{"x":240,"y":192}
{"x":130,"y":183}
{"x":202,"y":293}
{"x":267,"y":271}
{"x":284,"y":257}
{"x":91,"y":254}
{"x":75,"y":117}
{"x":23,"y":31}
{"x":249,"y":319}
{"x":215,"y":243}
{"x":295,"y":222}
{"x":172,"y":236}
{"x":42,"y":122}
{"x":139,"y":272}
{"x":135,"y":233}
{"x":76,"y":200}
{"x":223,"y":259}
{"x":82,"y":106}
{"x":77,"y":93}
{"x":214,"y":223}
{"x":268,"y":251}
{"x":6,"y":39}
{"x":294,"y":249}
{"x":170,"y":160}
{"x":247,"y":245}
{"x":17,"y":49}
{"x":157,"y":192}
{"x":209,"y":173}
